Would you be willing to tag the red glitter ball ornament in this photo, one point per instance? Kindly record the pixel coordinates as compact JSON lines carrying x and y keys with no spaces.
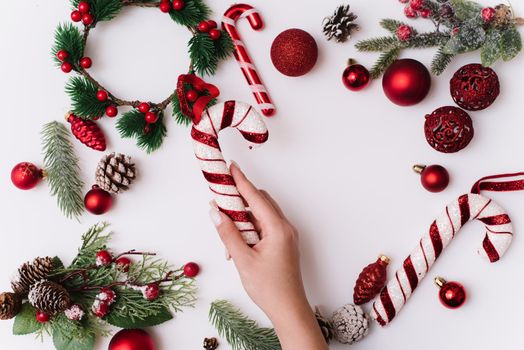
{"x":406,"y":82}
{"x":451,"y":294}
{"x":294,"y":52}
{"x":26,"y":176}
{"x":355,"y":77}
{"x":474,"y":87}
{"x":448,"y":129}
{"x":131,"y":339}
{"x":97,"y":201}
{"x":434,"y":178}
{"x":371,"y":281}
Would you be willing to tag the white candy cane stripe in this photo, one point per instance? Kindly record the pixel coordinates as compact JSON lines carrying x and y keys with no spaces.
{"x":245,"y":119}
{"x":468,"y":207}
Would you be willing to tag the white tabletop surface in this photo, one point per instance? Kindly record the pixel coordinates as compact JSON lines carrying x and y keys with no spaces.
{"x":338,"y":162}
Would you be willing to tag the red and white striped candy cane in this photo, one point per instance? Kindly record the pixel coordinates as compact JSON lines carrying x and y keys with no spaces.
{"x":468,"y":207}
{"x":249,"y":122}
{"x":231,"y":16}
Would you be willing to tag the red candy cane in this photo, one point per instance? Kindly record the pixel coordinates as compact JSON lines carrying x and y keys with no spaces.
{"x":249,"y":122}
{"x":231,"y":16}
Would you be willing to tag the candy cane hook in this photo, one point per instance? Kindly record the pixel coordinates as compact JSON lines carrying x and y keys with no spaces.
{"x":231,"y":16}
{"x":249,"y":122}
{"x":468,"y":207}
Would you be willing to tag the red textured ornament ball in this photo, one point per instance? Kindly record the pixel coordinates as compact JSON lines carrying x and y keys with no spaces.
{"x":404,"y":32}
{"x":355,"y":77}
{"x":406,"y":82}
{"x":111,"y":111}
{"x":97,"y":201}
{"x":191,"y":269}
{"x":151,"y":117}
{"x":152,"y":291}
{"x":488,"y":14}
{"x":451,"y":294}
{"x":474,"y":87}
{"x":76,"y":16}
{"x":294,"y":52}
{"x":88,"y":19}
{"x":123,"y":263}
{"x":86,"y":62}
{"x":66,"y":67}
{"x":102,"y":96}
{"x":62,"y":55}
{"x":83,"y":7}
{"x":192,"y":95}
{"x":215,"y":34}
{"x":204,"y":27}
{"x":165,"y":6}
{"x":42,"y":317}
{"x":434,"y":178}
{"x":144,"y":107}
{"x":178,"y":5}
{"x":131,"y":339}
{"x":26,"y":176}
{"x":448,"y":129}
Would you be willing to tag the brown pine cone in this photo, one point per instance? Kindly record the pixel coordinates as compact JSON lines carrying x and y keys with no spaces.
{"x":503,"y":17}
{"x":30,"y":273}
{"x":10,"y":305}
{"x":115,"y":173}
{"x":49,"y":297}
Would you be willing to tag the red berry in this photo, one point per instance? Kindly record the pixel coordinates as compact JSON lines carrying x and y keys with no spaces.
{"x":62,"y":55}
{"x":409,"y":12}
{"x":203,"y":27}
{"x":416,"y":4}
{"x":144,"y":107}
{"x":111,"y":111}
{"x":76,"y":16}
{"x":66,"y":67}
{"x":192,"y":95}
{"x":103,"y":258}
{"x":88,"y":19}
{"x":100,"y":308}
{"x":488,"y":14}
{"x":165,"y":6}
{"x":107,"y":295}
{"x":86,"y":62}
{"x":179,"y":5}
{"x":102,"y":95}
{"x":151,"y":291}
{"x":425,"y":13}
{"x":83,"y":7}
{"x":42,"y":317}
{"x":404,"y":32}
{"x":151,"y":118}
{"x":212,"y":24}
{"x":215,"y":34}
{"x":191,"y":269}
{"x":123,"y":264}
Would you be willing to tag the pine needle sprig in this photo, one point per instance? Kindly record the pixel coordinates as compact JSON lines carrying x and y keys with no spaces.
{"x":68,"y":38}
{"x":132,"y":125}
{"x":83,"y":96}
{"x":202,"y":54}
{"x":194,"y":12}
{"x":391,"y":25}
{"x":63,"y":171}
{"x":378,"y":44}
{"x":441,"y":61}
{"x":102,"y":10}
{"x":239,"y":331}
{"x":384,"y":61}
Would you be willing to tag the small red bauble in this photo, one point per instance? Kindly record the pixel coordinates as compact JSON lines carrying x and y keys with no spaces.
{"x":151,"y":117}
{"x":42,"y":317}
{"x":451,"y":294}
{"x":83,"y":7}
{"x":131,"y":339}
{"x":192,"y":95}
{"x":103,"y":258}
{"x":86,"y":62}
{"x":97,"y":201}
{"x":416,"y":4}
{"x":102,"y":96}
{"x":62,"y":55}
{"x":191,"y":269}
{"x":488,"y":14}
{"x":144,"y":107}
{"x":355,"y":77}
{"x":26,"y":176}
{"x":178,"y":5}
{"x":111,"y":111}
{"x":204,"y":27}
{"x":76,"y":16}
{"x":215,"y":34}
{"x":88,"y":19}
{"x":165,"y":6}
{"x":66,"y":67}
{"x":100,"y":308}
{"x":425,"y":13}
{"x":294,"y":52}
{"x":406,"y":82}
{"x":410,"y":12}
{"x":212,"y":24}
{"x":123,"y":263}
{"x":434,"y":178}
{"x":151,"y":291}
{"x":371,"y":281}
{"x":448,"y":129}
{"x":474,"y":87}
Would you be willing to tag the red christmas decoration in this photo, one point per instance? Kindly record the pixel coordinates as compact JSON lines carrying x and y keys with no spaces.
{"x":152,"y":291}
{"x":103,"y":258}
{"x":144,"y":107}
{"x":123,"y":263}
{"x":404,"y":32}
{"x":87,"y":132}
{"x":98,"y":201}
{"x":370,"y":281}
{"x":212,"y":24}
{"x":474,"y":87}
{"x":102,"y":95}
{"x":434,"y":178}
{"x":410,"y":12}
{"x":178,"y":5}
{"x":26,"y":176}
{"x":131,"y":339}
{"x":451,"y":294}
{"x":83,"y":7}
{"x":86,"y":62}
{"x":448,"y":129}
{"x":294,"y":52}
{"x":204,"y":27}
{"x":416,"y":4}
{"x":165,"y":6}
{"x":192,"y":95}
{"x":406,"y":82}
{"x":191,"y":269}
{"x":151,"y":117}
{"x":100,"y":308}
{"x":62,"y":55}
{"x":88,"y":19}
{"x":42,"y":317}
{"x":215,"y":34}
{"x":355,"y":77}
{"x":76,"y":16}
{"x":111,"y":111}
{"x":66,"y":67}
{"x":488,"y":14}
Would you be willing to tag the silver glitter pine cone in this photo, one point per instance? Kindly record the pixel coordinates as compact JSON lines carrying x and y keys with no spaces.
{"x":340,"y":25}
{"x":49,"y":297}
{"x":350,"y":324}
{"x":31,"y":273}
{"x":10,"y":305}
{"x":115,"y":173}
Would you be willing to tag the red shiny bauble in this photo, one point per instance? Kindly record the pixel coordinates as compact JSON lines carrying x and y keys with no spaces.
{"x":204,"y":27}
{"x":294,"y":52}
{"x":192,"y":95}
{"x":191,"y":269}
{"x":151,"y":117}
{"x":62,"y":55}
{"x":97,"y":201}
{"x":76,"y":16}
{"x":42,"y":317}
{"x":111,"y":111}
{"x":88,"y":19}
{"x":131,"y":339}
{"x":215,"y":34}
{"x":355,"y":77}
{"x":371,"y":281}
{"x":474,"y":87}
{"x":83,"y":7}
{"x":406,"y":82}
{"x":448,"y":129}
{"x":178,"y":5}
{"x":144,"y":107}
{"x":451,"y":294}
{"x":26,"y":176}
{"x":434,"y":178}
{"x":86,"y":62}
{"x":165,"y":6}
{"x":66,"y":67}
{"x":123,"y":263}
{"x":102,"y":95}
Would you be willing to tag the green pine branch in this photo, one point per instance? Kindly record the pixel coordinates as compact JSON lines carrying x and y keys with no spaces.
{"x":384,"y":61}
{"x":68,"y":38}
{"x":132,"y":125}
{"x":391,"y":25}
{"x":224,"y":46}
{"x":440,"y":61}
{"x":239,"y":331}
{"x":378,"y":44}
{"x":202,"y":53}
{"x":102,"y":10}
{"x":427,"y":40}
{"x":83,"y":97}
{"x":63,"y":171}
{"x":194,"y":12}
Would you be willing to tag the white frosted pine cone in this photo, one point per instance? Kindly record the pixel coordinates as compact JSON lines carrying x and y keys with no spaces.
{"x":350,"y":324}
{"x":115,"y":173}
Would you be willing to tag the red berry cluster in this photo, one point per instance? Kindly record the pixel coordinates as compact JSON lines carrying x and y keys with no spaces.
{"x":415,"y":8}
{"x":210,"y":27}
{"x":149,"y":116}
{"x":83,"y":14}
{"x":111,"y":110}
{"x":166,"y":5}
{"x":67,"y":66}
{"x":404,"y":32}
{"x":103,"y":301}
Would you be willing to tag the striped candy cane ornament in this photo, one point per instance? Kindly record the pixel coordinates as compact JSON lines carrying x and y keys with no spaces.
{"x":231,"y":16}
{"x":249,"y":122}
{"x":468,"y":207}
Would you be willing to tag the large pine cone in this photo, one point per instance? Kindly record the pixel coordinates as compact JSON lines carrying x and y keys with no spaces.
{"x":115,"y":173}
{"x":350,"y":324}
{"x":340,"y":25}
{"x":49,"y":297}
{"x":10,"y":305}
{"x":30,"y":273}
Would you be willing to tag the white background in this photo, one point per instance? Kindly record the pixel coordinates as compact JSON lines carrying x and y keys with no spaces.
{"x":338,"y":162}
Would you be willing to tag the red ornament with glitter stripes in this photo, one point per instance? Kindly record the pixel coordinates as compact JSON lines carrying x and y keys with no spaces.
{"x":468,"y":207}
{"x":231,"y":16}
{"x":249,"y":122}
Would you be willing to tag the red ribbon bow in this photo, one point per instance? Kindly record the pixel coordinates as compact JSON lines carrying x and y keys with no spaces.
{"x":499,"y":186}
{"x":202,"y":102}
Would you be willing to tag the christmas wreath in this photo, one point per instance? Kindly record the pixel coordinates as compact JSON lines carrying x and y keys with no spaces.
{"x":91,"y":100}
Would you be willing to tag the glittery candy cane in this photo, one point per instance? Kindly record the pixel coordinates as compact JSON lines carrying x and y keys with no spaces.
{"x":231,"y":16}
{"x":468,"y":207}
{"x":249,"y":122}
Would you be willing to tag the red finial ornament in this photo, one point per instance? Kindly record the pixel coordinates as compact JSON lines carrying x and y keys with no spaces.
{"x":452,"y":294}
{"x":87,"y":132}
{"x":371,"y":281}
{"x":434,"y":178}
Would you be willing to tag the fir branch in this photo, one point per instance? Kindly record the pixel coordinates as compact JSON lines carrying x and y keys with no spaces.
{"x":202,"y":54}
{"x":94,"y":240}
{"x":241,"y":332}
{"x":378,"y":44}
{"x":102,"y":10}
{"x":427,"y":40}
{"x":391,"y":25}
{"x":440,"y":61}
{"x":68,"y":38}
{"x":83,"y":96}
{"x":224,"y":46}
{"x":132,"y":125}
{"x":385,"y":60}
{"x":194,"y":12}
{"x":63,"y":171}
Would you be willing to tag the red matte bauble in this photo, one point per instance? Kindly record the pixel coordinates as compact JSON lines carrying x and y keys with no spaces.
{"x":448,"y":129}
{"x":355,"y":77}
{"x":406,"y":82}
{"x":26,"y":176}
{"x":97,"y":201}
{"x":131,"y":339}
{"x":191,"y":269}
{"x":434,"y":178}
{"x":294,"y":52}
{"x":474,"y":87}
{"x":452,"y":295}
{"x":371,"y":281}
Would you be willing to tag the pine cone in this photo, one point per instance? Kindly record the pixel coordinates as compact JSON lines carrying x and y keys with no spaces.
{"x":325,"y":326}
{"x":10,"y":305}
{"x":350,"y":324}
{"x":503,"y":16}
{"x":340,"y":26}
{"x":115,"y":173}
{"x":49,"y":297}
{"x":210,"y":343}
{"x":87,"y":132}
{"x":30,"y":273}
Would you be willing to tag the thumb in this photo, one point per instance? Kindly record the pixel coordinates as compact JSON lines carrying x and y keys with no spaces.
{"x":229,"y":234}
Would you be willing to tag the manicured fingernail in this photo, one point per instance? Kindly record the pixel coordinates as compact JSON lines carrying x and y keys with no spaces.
{"x":215,"y":217}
